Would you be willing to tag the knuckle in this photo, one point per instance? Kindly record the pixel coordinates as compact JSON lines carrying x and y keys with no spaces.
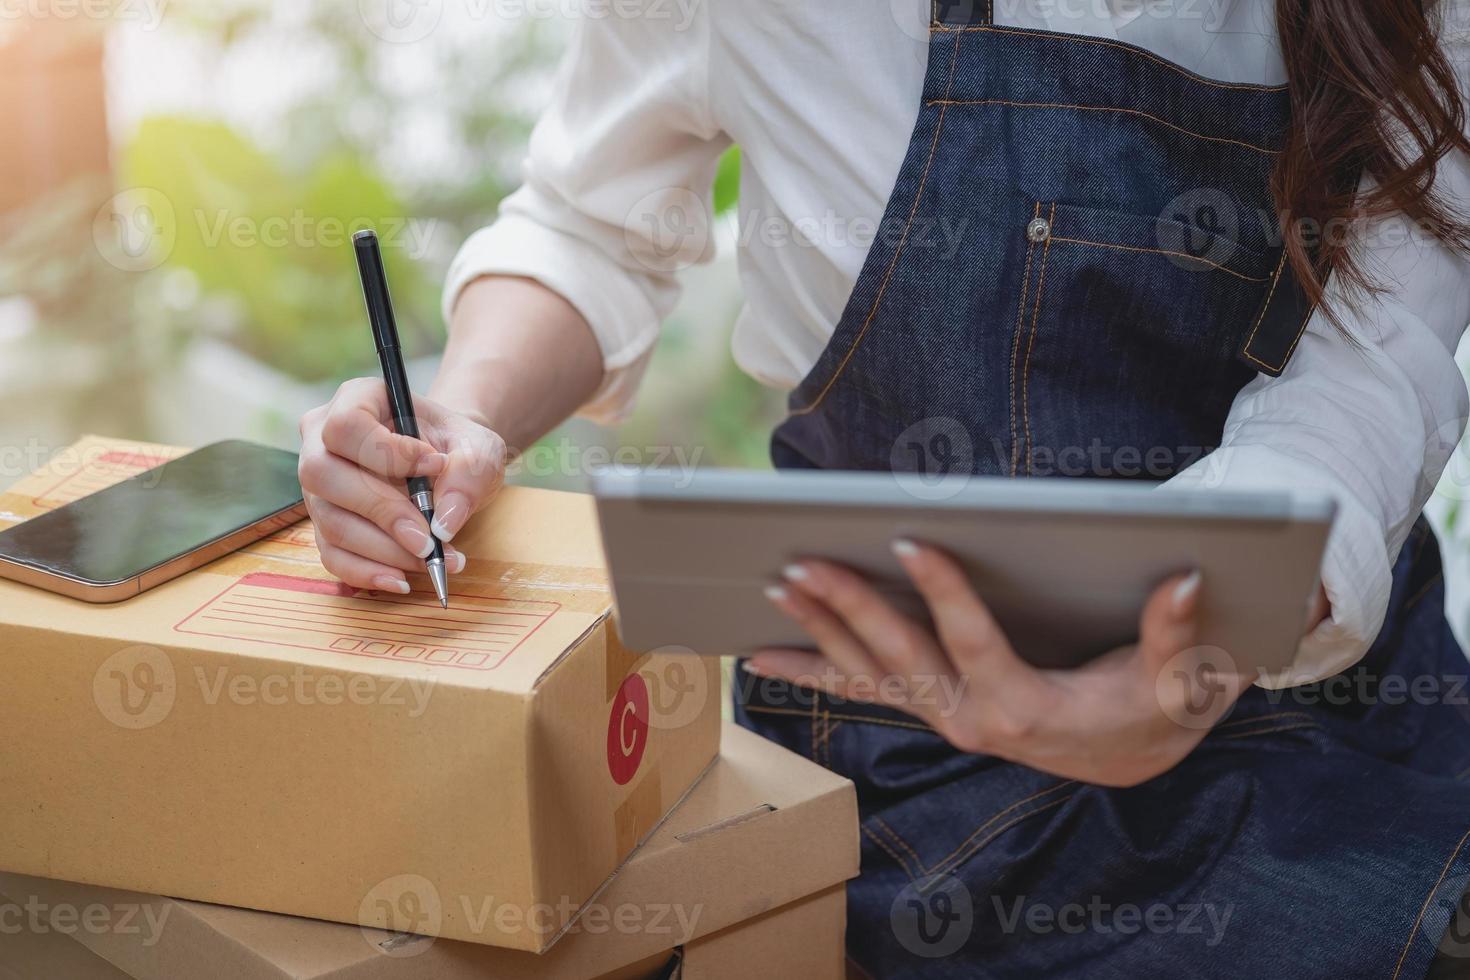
{"x":331,"y":525}
{"x":378,"y":511}
{"x":403,"y":449}
{"x":965,"y":737}
{"x":311,"y":470}
{"x":385,"y":512}
{"x":947,"y":587}
{"x":1000,"y":727}
{"x":969,"y":642}
{"x":332,"y":562}
{"x":846,"y":597}
{"x":336,"y":429}
{"x":310,"y":419}
{"x":490,"y":450}
{"x":906,"y":652}
{"x":477,"y":466}
{"x":360,"y":388}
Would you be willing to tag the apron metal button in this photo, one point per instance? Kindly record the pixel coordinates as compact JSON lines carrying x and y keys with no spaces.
{"x":1039,"y":230}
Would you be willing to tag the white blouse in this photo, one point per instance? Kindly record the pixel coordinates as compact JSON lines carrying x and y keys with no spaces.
{"x":822,"y":100}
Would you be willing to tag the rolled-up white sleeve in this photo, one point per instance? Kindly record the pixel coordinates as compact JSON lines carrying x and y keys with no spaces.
{"x":617,"y":187}
{"x":1372,"y":421}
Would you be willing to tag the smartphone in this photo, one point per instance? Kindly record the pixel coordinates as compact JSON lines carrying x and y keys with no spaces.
{"x":134,"y":535}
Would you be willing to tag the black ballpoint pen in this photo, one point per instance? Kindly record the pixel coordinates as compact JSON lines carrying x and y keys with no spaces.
{"x":400,"y":399}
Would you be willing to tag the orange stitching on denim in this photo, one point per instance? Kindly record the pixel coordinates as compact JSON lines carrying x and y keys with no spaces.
{"x":1016,"y":341}
{"x":913,"y":726}
{"x":827,"y":738}
{"x":832,"y":727}
{"x":827,"y":729}
{"x":1105,"y":108}
{"x":1419,"y":919}
{"x":918,"y":862}
{"x":986,"y":825}
{"x":1418,"y":597}
{"x":1295,"y":726}
{"x":1246,"y":350}
{"x":1275,"y":717}
{"x":1161,"y":251}
{"x":941,"y":869}
{"x":1301,"y":332}
{"x":1031,"y":342}
{"x":1237,"y":86}
{"x":891,"y":853}
{"x":813,"y":715}
{"x":897,"y":251}
{"x":819,"y":739}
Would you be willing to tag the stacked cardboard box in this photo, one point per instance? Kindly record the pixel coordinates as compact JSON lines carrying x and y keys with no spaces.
{"x":744,"y":878}
{"x":258,"y":736}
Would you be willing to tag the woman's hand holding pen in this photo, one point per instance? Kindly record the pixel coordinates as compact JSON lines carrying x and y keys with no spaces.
{"x":353,"y":467}
{"x":1120,"y":720}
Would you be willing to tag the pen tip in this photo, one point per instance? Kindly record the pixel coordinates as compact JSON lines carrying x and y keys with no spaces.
{"x":441,"y":582}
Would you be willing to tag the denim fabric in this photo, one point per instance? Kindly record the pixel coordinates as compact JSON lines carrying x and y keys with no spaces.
{"x":1318,"y":832}
{"x":1113,"y":345}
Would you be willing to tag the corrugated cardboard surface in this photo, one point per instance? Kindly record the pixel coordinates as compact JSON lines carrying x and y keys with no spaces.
{"x":804,"y":939}
{"x":763,"y":830}
{"x":255,"y":734}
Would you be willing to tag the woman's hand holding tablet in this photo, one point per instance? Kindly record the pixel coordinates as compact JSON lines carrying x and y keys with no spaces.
{"x":1005,"y":614}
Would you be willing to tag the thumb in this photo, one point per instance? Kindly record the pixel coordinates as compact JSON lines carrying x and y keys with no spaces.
{"x":1195,"y":685}
{"x":473,"y":471}
{"x":1170,"y":620}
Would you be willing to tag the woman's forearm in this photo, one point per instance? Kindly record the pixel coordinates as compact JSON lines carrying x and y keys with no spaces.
{"x":520,"y":359}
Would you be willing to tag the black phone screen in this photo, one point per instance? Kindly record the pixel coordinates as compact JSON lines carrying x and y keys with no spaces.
{"x":123,"y":531}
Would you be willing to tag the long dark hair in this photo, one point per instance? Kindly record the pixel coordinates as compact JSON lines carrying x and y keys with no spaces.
{"x":1373,"y":93}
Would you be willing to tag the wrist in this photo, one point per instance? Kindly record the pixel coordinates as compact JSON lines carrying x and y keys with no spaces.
{"x":520,"y":359}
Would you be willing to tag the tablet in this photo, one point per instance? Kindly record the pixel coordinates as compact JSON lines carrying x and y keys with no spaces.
{"x":1065,"y":565}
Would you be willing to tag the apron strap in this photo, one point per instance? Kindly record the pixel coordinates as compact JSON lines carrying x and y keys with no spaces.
{"x":964,"y":13}
{"x":1279,"y":324}
{"x":1280,"y":321}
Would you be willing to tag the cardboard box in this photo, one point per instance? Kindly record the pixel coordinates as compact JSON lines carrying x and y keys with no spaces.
{"x":803,"y":939}
{"x":28,"y":955}
{"x":256,"y":734}
{"x":745,"y":877}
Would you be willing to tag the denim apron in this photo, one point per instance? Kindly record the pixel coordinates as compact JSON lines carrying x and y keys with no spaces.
{"x":1076,"y":273}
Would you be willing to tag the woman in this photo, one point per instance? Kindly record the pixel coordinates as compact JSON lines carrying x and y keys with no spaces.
{"x":1219,"y":245}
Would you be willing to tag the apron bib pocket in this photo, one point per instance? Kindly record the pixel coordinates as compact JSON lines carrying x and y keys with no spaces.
{"x":1086,"y":327}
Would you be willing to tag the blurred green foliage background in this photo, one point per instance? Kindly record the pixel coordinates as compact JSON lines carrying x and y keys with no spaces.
{"x":199,"y":281}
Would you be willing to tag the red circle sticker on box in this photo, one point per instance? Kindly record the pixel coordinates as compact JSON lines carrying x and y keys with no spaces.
{"x":627,"y":729}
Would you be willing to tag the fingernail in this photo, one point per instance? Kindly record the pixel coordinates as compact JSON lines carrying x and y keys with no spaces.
{"x":904,"y":548}
{"x":387,"y":583}
{"x":454,"y":560}
{"x":776,"y":594}
{"x":750,"y":668}
{"x":431,"y":464}
{"x":796,"y":573}
{"x":1185,"y":591}
{"x":450,"y":513}
{"x":414,"y":538}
